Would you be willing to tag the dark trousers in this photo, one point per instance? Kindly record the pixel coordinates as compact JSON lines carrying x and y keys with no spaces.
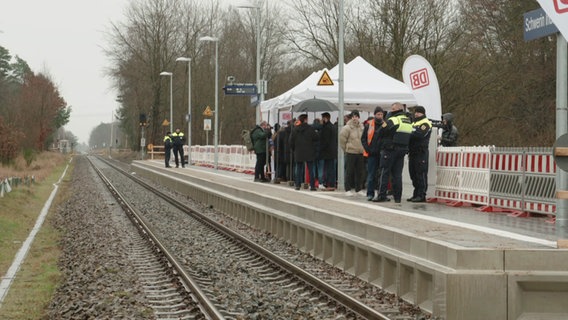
{"x":167,"y":156}
{"x":259,"y":166}
{"x":391,"y":164}
{"x":372,"y":169}
{"x":329,"y":173}
{"x":354,"y":163}
{"x":418,"y":170}
{"x":282,"y":170}
{"x":299,"y":173}
{"x":178,"y":150}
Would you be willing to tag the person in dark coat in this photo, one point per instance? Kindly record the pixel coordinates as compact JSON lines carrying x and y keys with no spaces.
{"x":168,"y":144}
{"x":319,"y":163}
{"x":303,"y":141}
{"x":449,"y":136}
{"x":372,"y":145}
{"x":283,"y":152}
{"x":328,"y":150}
{"x":260,"y":135}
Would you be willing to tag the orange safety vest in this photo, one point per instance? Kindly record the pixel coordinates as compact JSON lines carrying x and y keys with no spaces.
{"x":370,"y":134}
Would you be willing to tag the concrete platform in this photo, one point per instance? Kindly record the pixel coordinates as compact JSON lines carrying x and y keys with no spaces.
{"x":454,"y":262}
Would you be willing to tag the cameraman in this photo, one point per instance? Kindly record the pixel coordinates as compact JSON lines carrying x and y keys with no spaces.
{"x":449,"y":136}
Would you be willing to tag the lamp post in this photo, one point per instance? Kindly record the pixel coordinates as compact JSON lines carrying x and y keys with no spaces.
{"x":216,"y":126}
{"x":165,"y":73}
{"x":188,"y":60}
{"x":259,"y":86}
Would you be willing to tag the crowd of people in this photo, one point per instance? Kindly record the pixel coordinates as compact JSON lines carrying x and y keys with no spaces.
{"x":374,"y":151}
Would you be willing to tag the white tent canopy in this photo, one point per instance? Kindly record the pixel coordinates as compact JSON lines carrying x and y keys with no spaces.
{"x":365,"y":88}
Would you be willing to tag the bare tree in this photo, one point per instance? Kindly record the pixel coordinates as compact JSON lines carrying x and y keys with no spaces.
{"x":508,"y":88}
{"x":142,"y":47}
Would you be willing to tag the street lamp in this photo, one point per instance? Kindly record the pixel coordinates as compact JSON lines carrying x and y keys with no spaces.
{"x":165,"y":73}
{"x":216,"y":127}
{"x":188,"y":60}
{"x":259,"y":87}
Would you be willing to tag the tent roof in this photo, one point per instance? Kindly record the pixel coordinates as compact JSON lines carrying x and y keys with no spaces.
{"x":365,"y":88}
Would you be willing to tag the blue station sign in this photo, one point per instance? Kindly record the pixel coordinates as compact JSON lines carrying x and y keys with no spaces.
{"x":537,"y":24}
{"x":241,"y":89}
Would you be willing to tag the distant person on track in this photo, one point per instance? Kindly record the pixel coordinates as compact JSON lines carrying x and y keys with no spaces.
{"x":418,"y":154}
{"x":178,"y":139}
{"x":168,"y":144}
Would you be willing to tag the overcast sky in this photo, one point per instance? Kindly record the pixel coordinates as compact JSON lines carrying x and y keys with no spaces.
{"x":64,"y":38}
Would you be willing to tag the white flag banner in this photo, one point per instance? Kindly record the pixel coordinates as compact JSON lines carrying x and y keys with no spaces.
{"x":420,"y":77}
{"x":557,"y":10}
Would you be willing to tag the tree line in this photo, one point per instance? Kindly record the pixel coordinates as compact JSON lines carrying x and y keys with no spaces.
{"x":32,"y":111}
{"x":500,"y":88}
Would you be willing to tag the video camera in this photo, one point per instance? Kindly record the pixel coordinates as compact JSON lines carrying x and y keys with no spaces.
{"x":437,"y":124}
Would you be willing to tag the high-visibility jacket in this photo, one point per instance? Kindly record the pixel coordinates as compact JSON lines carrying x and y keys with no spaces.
{"x":422,"y":128}
{"x":370,"y":134}
{"x":177,"y":138}
{"x":167,"y":142}
{"x":404,"y":129}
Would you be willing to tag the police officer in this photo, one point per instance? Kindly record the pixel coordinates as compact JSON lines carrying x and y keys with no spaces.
{"x":396,"y":137}
{"x":178,"y":139}
{"x":167,"y":148}
{"x":418,"y":154}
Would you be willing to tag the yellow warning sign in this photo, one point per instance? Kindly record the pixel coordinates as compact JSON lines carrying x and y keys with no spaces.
{"x":325,"y":80}
{"x":208,"y":112}
{"x":165,"y":123}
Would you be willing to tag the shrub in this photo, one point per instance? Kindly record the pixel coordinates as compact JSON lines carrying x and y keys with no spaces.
{"x":29,"y":156}
{"x":10,"y":142}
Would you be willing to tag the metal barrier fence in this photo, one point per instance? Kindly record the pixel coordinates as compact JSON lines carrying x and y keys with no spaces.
{"x":519,"y":180}
{"x":7,"y":184}
{"x":523,"y":180}
{"x":463,"y":174}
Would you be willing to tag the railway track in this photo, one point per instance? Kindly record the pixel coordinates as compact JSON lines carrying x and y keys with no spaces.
{"x":238,"y":278}
{"x":171,"y":292}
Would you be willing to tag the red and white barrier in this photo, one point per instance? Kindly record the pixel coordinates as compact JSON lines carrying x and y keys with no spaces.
{"x":463,"y":175}
{"x":496,"y":179}
{"x":523,"y":180}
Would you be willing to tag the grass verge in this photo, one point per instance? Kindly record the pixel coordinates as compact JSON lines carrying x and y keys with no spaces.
{"x":38,"y":276}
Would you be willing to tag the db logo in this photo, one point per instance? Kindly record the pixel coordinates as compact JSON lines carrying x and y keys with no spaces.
{"x":561,"y":6}
{"x":419,"y":78}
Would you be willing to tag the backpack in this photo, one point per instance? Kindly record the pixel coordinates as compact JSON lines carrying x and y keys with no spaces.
{"x":246,"y":135}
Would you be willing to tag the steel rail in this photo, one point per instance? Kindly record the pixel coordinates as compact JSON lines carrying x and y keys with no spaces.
{"x":208,"y":308}
{"x":342,"y":298}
